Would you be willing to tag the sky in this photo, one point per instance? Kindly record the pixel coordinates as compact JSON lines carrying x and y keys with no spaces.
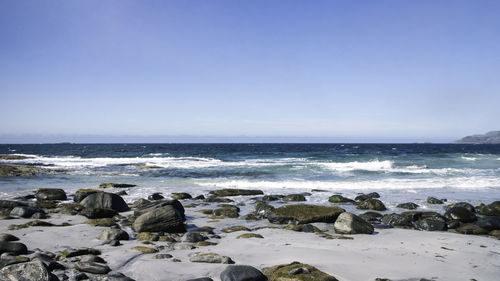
{"x":339,"y":71}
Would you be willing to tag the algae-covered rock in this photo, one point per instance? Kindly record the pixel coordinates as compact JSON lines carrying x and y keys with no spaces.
{"x":147,"y":236}
{"x":364,"y":197}
{"x":339,"y":199}
{"x":236,"y":192}
{"x":492,"y":209}
{"x":372,"y":204}
{"x":181,"y":196}
{"x":101,"y":222}
{"x":227,"y":210}
{"x":115,"y":185}
{"x":302,"y":214}
{"x":211,"y":258}
{"x":235,"y":228}
{"x":167,"y":218}
{"x":249,"y":235}
{"x":296,"y":271}
{"x":294,"y":198}
{"x":32,"y":271}
{"x":434,"y":200}
{"x":13,"y":170}
{"x":408,"y":206}
{"x":145,"y":250}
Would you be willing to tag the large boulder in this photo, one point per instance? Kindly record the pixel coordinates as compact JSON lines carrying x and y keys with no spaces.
{"x":302,"y":214}
{"x":28,"y":271}
{"x":492,"y":209}
{"x":82,"y":193}
{"x":461,"y":204}
{"x":348,"y":223}
{"x":104,"y":200}
{"x":43,"y":194}
{"x":371,"y":204}
{"x":242,"y":273}
{"x":235,"y":192}
{"x":146,"y":207}
{"x":227,"y":210}
{"x":294,"y":198}
{"x":489,"y":223}
{"x":430,"y":224}
{"x":297,"y":272}
{"x":165,"y":218}
{"x":26,"y":212}
{"x":13,"y":247}
{"x":98,"y":213}
{"x":396,"y":220}
{"x":339,"y":199}
{"x":364,"y":197}
{"x":461,"y":214}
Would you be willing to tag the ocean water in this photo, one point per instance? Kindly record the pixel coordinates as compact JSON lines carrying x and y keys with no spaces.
{"x":399,"y":172}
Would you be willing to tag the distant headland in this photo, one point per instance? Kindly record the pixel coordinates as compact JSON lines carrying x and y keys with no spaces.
{"x":492,"y":137}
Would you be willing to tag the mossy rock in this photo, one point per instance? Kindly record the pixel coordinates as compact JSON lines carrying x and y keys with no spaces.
{"x":211,"y":258}
{"x":145,"y":250}
{"x":303,"y":228}
{"x":434,"y":200}
{"x":236,"y":192}
{"x":13,"y":170}
{"x":115,"y":185}
{"x":303,"y":214}
{"x":492,"y":209}
{"x":166,"y":238}
{"x":147,"y":236}
{"x":68,"y":208}
{"x":226,"y":210}
{"x":101,"y":222}
{"x":249,"y":235}
{"x":372,"y":204}
{"x":206,"y":211}
{"x":296,"y":272}
{"x":30,"y":224}
{"x":294,"y":198}
{"x":181,"y":196}
{"x":44,"y":204}
{"x":235,"y":228}
{"x":339,"y":199}
{"x":204,"y":244}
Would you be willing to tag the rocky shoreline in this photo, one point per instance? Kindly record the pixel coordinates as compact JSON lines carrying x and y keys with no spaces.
{"x":190,"y":227}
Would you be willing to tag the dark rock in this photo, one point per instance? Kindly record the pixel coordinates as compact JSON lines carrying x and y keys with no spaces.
{"x":13,"y":170}
{"x":104,"y":200}
{"x":199,"y":197}
{"x":460,"y":213}
{"x":6,"y":237}
{"x":9,"y":204}
{"x":155,"y":196}
{"x":471,"y":229}
{"x":45,"y":204}
{"x":262,"y":209}
{"x":141,"y":203}
{"x":227,"y":210}
{"x":80,"y":252}
{"x":272,"y":197}
{"x":28,"y":271}
{"x":25,"y":212}
{"x":116,"y":185}
{"x":371,"y":204}
{"x":50,"y":194}
{"x":396,"y":220}
{"x":13,"y":247}
{"x":371,"y":216}
{"x":92,"y":258}
{"x":492,"y":209}
{"x":235,"y":192}
{"x":92,"y":267}
{"x":303,"y":214}
{"x":430,"y":224}
{"x":98,"y":213}
{"x":294,"y":198}
{"x":364,"y":197}
{"x":13,"y":157}
{"x":489,"y":223}
{"x":193,"y":237}
{"x":408,"y":206}
{"x":433,"y":200}
{"x":165,"y":218}
{"x":416,"y":215}
{"x":113,"y":234}
{"x":212,"y":199}
{"x":25,"y":197}
{"x":201,"y":279}
{"x":181,"y":196}
{"x":82,"y":193}
{"x":242,"y":273}
{"x":112,"y":276}
{"x":452,"y":224}
{"x":339,"y":199}
{"x":463,"y":205}
{"x":159,"y":204}
{"x":297,"y":272}
{"x":348,"y":223}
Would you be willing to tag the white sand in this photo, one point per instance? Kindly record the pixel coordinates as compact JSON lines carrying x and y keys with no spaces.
{"x":392,"y":253}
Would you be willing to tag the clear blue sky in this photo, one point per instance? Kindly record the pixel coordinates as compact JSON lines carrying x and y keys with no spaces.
{"x":338,"y":70}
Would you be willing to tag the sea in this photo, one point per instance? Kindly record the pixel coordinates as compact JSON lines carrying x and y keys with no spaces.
{"x":398,"y":172}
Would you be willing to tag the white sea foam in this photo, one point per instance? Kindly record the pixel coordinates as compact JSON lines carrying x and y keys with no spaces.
{"x":469,"y":158}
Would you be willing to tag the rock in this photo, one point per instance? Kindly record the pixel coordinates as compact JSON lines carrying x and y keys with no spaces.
{"x":235,"y":228}
{"x":495,"y":233}
{"x":339,"y":199}
{"x":371,"y":216}
{"x":204,"y":244}
{"x":165,"y":218}
{"x":216,"y":199}
{"x":348,"y":223}
{"x":416,"y":215}
{"x":430,"y":224}
{"x":201,"y":279}
{"x":229,"y":211}
{"x":242,"y":273}
{"x":79,"y":252}
{"x":471,"y":229}
{"x":32,"y":223}
{"x":16,"y":248}
{"x":155,"y":196}
{"x":104,"y":200}
{"x":181,"y":196}
{"x":92,"y":267}
{"x":82,"y":193}
{"x":262,"y":209}
{"x":147,"y":236}
{"x":452,"y":224}
{"x":211,"y":258}
{"x":163,"y":256}
{"x":364,"y":197}
{"x":199,"y":197}
{"x":433,"y":200}
{"x":140,"y":203}
{"x":6,"y":237}
{"x":492,"y":209}
{"x":101,"y":222}
{"x":26,"y":212}
{"x":112,"y":276}
{"x":294,"y":198}
{"x":92,"y":258}
{"x":13,"y":157}
{"x":145,"y":250}
{"x":9,"y":204}
{"x":28,"y":271}
{"x":159,"y":204}
{"x":235,"y":192}
{"x":489,"y":223}
{"x":408,"y":206}
{"x":371,"y":204}
{"x":249,"y":235}
{"x":50,"y":194}
{"x":13,"y":170}
{"x":303,"y":214}
{"x":461,"y":214}
{"x":116,"y":185}
{"x":113,"y":234}
{"x":272,"y":197}
{"x":45,"y":204}
{"x":193,"y":237}
{"x":297,"y":272}
{"x":98,"y":213}
{"x":396,"y":220}
{"x":463,"y":205}
{"x":9,"y":259}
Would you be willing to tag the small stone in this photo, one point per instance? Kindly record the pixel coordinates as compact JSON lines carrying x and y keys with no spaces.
{"x":181,"y":196}
{"x":433,"y":200}
{"x":408,"y":206}
{"x":92,"y":267}
{"x":155,"y":196}
{"x":364,"y":197}
{"x":235,"y":228}
{"x":211,"y":258}
{"x":163,"y":256}
{"x":193,"y":237}
{"x":145,"y":250}
{"x":371,"y":204}
{"x":249,"y":235}
{"x":339,"y":199}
